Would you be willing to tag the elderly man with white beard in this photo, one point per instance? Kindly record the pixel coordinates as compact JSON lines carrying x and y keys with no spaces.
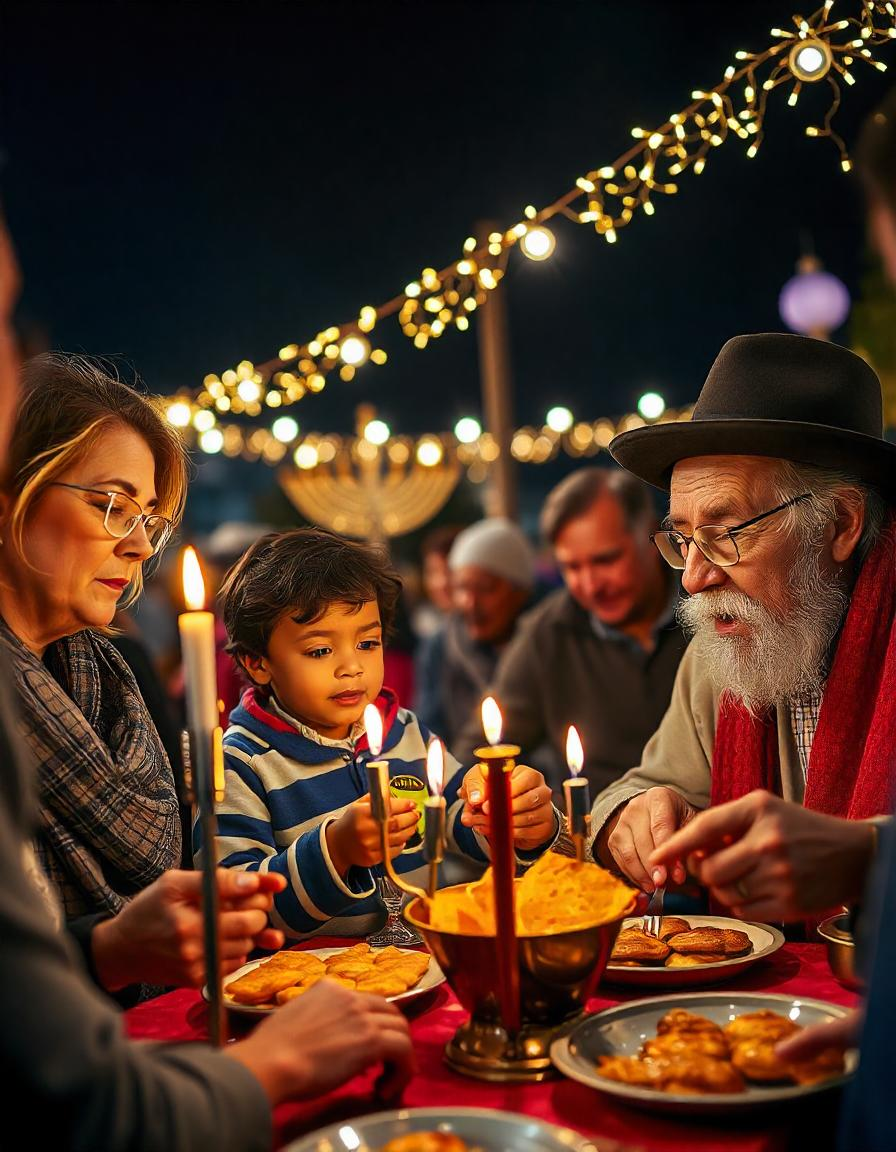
{"x":780,"y":520}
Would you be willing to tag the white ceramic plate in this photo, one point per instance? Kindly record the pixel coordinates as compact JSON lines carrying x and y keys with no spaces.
{"x":484,"y":1130}
{"x":765,"y":937}
{"x":621,"y":1031}
{"x":431,"y":978}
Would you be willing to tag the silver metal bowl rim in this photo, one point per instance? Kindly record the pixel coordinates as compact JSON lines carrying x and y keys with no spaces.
{"x":562,"y":1136}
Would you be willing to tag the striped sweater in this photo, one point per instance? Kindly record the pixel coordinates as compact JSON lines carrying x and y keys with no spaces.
{"x":284,"y":786}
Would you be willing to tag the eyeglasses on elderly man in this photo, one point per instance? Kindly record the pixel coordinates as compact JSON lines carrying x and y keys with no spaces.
{"x":123,"y":515}
{"x":717,"y":542}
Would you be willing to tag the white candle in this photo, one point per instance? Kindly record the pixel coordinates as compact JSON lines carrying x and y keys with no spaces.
{"x":197,"y":643}
{"x":575,"y":788}
{"x":434,"y":829}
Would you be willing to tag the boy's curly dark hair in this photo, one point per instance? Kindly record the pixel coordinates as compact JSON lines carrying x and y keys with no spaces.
{"x":301,"y":574}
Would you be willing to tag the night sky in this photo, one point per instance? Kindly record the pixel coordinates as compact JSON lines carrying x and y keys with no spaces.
{"x":189,"y":185}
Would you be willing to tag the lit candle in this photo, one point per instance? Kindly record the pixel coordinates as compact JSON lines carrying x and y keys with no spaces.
{"x":380,"y":802}
{"x":578,"y":798}
{"x":497,"y":762}
{"x":197,"y":639}
{"x":197,"y":643}
{"x":377,"y":770}
{"x":434,"y":828}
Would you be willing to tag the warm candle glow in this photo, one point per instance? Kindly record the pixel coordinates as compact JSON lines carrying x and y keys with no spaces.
{"x":194,"y":585}
{"x":435,"y":767}
{"x":373,"y":723}
{"x":575,"y":756}
{"x":492,"y":722}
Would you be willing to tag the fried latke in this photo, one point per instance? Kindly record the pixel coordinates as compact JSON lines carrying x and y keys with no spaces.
{"x":762,"y":1025}
{"x":680,"y":1020}
{"x":693,"y":959}
{"x":673,"y":1044}
{"x":634,"y":944}
{"x":757,"y":1060}
{"x":426,"y":1142}
{"x":672,"y":925}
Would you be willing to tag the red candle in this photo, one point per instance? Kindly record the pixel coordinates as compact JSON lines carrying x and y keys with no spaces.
{"x":497,"y":762}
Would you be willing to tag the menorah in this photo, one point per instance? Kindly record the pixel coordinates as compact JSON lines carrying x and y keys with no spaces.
{"x":368,"y":492}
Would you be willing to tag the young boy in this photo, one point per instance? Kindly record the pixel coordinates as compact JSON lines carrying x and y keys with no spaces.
{"x":306,"y":612}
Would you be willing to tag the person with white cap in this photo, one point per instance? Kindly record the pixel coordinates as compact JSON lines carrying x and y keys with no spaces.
{"x":492,"y":568}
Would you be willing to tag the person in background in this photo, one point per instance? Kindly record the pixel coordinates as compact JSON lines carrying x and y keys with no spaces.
{"x":492,"y":568}
{"x":602,"y":651}
{"x":67,"y":1062}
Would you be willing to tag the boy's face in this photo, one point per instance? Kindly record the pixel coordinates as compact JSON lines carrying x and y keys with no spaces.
{"x":324,"y":673}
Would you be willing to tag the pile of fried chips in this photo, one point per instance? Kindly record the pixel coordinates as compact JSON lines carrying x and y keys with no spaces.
{"x":557,"y":894}
{"x":285,"y":975}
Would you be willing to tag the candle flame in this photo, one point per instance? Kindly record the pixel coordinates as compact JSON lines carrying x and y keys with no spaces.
{"x":194,"y":585}
{"x":435,"y":767}
{"x":373,"y":723}
{"x":492,"y":721}
{"x":575,"y":755}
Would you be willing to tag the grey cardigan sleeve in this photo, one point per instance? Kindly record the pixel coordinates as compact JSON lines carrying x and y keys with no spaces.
{"x":678,"y":755}
{"x":67,"y":1063}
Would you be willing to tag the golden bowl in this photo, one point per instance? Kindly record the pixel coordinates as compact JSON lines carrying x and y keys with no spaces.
{"x":841,"y":950}
{"x":558,"y":973}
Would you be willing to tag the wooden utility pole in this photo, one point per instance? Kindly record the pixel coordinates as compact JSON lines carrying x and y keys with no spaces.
{"x":497,"y":395}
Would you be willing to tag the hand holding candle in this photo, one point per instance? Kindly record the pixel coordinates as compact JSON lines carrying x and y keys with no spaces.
{"x":578,"y":797}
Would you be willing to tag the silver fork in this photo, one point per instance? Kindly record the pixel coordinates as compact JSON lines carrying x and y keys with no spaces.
{"x":653,"y":915}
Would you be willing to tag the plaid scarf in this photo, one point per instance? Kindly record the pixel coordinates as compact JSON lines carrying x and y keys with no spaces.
{"x":109,"y":819}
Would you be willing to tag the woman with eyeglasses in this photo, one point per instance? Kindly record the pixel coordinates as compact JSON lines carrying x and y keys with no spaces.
{"x":96,"y":482}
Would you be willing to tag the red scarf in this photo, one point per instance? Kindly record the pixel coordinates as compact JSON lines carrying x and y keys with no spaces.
{"x":851,"y":766}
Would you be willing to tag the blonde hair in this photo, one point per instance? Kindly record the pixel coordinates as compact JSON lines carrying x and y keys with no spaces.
{"x":66,"y":404}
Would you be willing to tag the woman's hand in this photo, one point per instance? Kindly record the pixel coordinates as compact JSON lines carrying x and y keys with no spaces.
{"x":157,"y":938}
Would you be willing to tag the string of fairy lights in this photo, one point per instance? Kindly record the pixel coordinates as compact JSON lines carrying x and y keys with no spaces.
{"x":819,"y":49}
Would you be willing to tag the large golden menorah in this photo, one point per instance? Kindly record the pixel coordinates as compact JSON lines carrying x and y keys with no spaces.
{"x":368,"y":492}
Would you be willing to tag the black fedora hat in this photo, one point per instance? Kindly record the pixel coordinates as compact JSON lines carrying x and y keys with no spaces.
{"x":774,"y":394}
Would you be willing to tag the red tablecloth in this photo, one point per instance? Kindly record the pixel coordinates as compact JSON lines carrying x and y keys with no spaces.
{"x":797,"y":969}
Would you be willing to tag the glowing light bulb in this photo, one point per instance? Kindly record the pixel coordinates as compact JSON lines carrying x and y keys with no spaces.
{"x":429,"y":453}
{"x":354,"y":350}
{"x":467,"y":430}
{"x":377,"y":432}
{"x":559,"y":419}
{"x":651,"y":405}
{"x":211,"y":441}
{"x":810,"y":60}
{"x":285,"y":429}
{"x":178,"y":414}
{"x":538,"y":243}
{"x":306,"y":457}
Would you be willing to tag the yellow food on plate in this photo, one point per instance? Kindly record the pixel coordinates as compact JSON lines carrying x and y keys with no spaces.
{"x":426,"y":1142}
{"x":287,"y":974}
{"x":557,"y":894}
{"x":693,"y":1055}
{"x":679,"y":945}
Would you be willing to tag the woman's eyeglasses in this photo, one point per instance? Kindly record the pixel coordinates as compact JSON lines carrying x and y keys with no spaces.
{"x":123,"y":515}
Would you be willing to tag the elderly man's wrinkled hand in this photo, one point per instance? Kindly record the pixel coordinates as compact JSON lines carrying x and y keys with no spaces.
{"x":641,"y":826}
{"x":767,"y":858}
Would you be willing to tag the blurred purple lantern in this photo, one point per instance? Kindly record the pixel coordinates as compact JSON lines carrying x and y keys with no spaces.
{"x":813,"y":302}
